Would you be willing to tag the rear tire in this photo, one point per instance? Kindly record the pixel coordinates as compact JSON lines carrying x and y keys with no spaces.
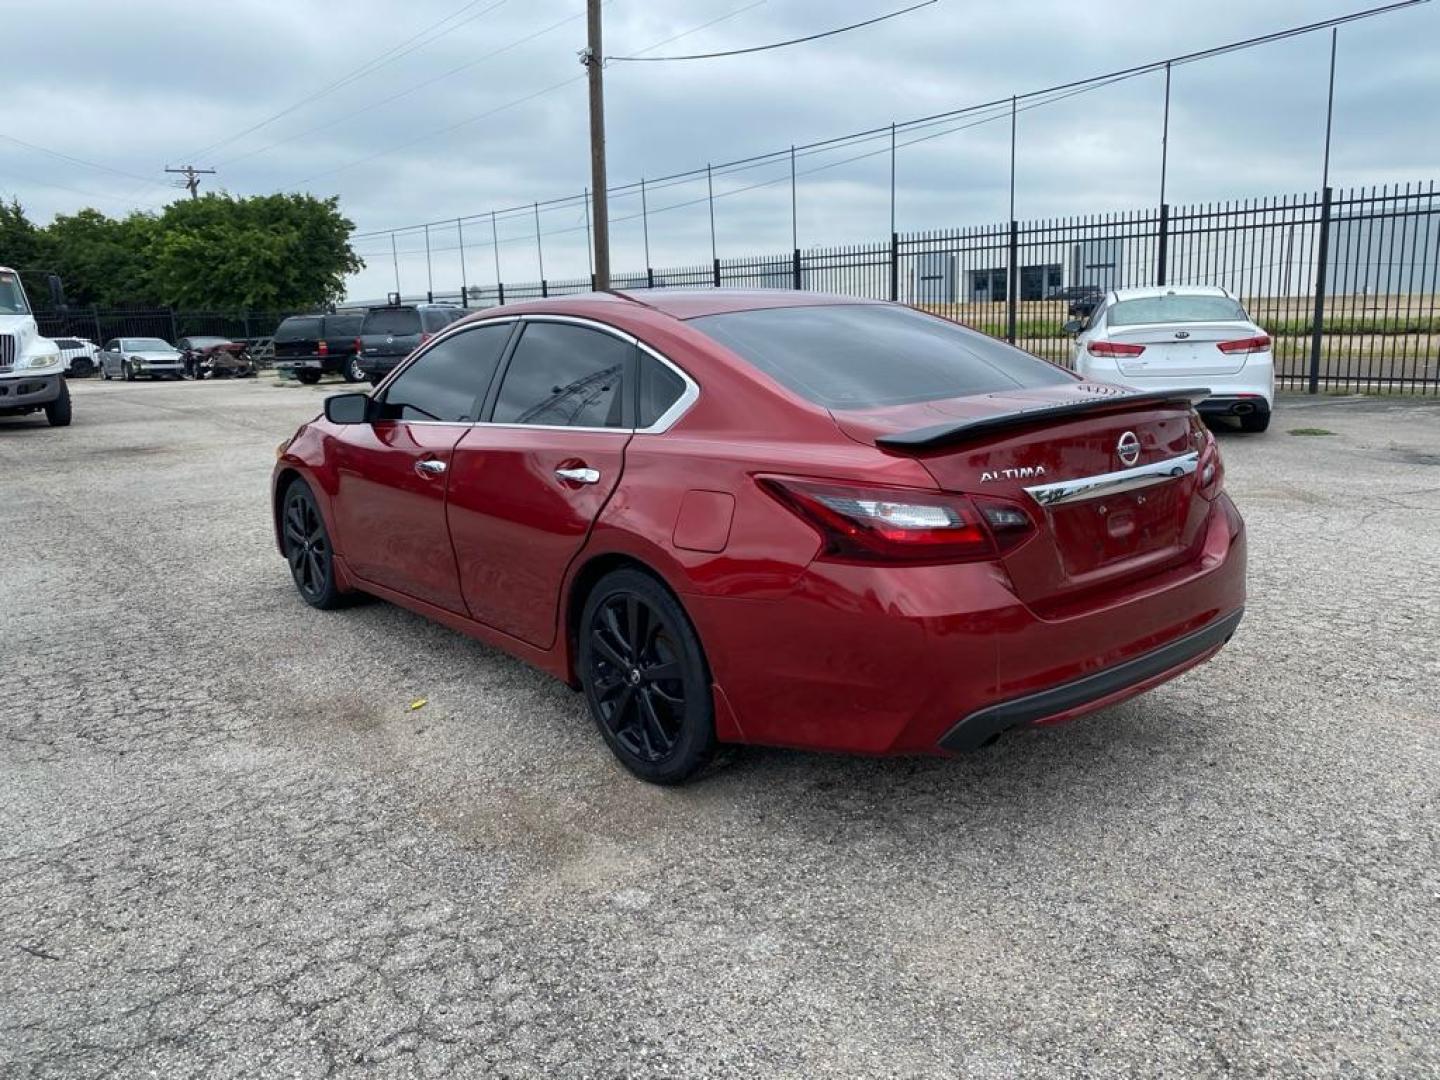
{"x":1256,"y":422}
{"x":307,"y":547}
{"x":353,"y":372}
{"x":309,"y":378}
{"x":645,"y":678}
{"x":58,"y":411}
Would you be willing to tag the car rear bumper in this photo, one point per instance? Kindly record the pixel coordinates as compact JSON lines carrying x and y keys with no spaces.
{"x":1233,"y":405}
{"x":1255,"y":382}
{"x":1093,"y":691}
{"x":935,"y":659}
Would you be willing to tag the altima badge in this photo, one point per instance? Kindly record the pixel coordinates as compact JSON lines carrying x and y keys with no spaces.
{"x":1025,"y":473}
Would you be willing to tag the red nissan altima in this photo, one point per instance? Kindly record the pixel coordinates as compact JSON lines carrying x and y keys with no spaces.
{"x":774,"y":517}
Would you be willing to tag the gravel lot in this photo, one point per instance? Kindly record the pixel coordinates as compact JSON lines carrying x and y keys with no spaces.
{"x":229,"y":849}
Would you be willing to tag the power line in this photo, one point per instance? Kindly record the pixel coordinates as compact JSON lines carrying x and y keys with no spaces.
{"x":404,"y":48}
{"x":776,"y":44}
{"x":934,"y":119}
{"x":427,"y":136}
{"x":86,"y":194}
{"x":74,"y":160}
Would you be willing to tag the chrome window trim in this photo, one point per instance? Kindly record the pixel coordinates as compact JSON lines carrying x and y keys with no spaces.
{"x":662,"y":424}
{"x":1113,"y":483}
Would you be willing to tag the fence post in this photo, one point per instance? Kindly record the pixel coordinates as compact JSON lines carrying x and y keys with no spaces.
{"x":649,"y":277}
{"x":894,"y":266}
{"x":544,"y":287}
{"x":464,"y":295}
{"x":1162,"y":251}
{"x":1322,"y":257}
{"x":1012,"y":288}
{"x":717,"y":273}
{"x":795,"y":270}
{"x":174,"y":330}
{"x":500,"y":287}
{"x":95,"y":314}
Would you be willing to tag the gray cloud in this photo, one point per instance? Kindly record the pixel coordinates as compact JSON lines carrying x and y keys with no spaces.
{"x":140,"y":85}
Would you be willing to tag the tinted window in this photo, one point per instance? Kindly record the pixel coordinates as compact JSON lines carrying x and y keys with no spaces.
{"x":436,"y":319}
{"x":395,"y":322}
{"x":564,"y":375}
{"x":68,"y":343}
{"x":854,"y":356}
{"x":447,"y":382}
{"x":659,"y":389}
{"x":1173,"y":307}
{"x":298,"y":329}
{"x":343,"y":325}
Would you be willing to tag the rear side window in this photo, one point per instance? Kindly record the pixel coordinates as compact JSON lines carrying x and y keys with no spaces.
{"x":566,"y":376}
{"x":298,"y":329}
{"x":394,"y":322}
{"x":435,"y":319}
{"x":660,"y":388}
{"x":858,"y":356}
{"x":447,"y":382}
{"x":1173,"y":308}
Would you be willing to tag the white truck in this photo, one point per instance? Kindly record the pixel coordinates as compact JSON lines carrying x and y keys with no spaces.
{"x":31,"y":367}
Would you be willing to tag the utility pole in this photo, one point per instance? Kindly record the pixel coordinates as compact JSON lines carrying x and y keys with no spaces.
{"x":192,"y":177}
{"x":594,"y":60}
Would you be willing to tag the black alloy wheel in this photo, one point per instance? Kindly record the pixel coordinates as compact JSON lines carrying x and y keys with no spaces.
{"x":307,"y":548}
{"x":645,"y":678}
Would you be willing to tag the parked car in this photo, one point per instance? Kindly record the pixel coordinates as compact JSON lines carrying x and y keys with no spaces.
{"x":131,"y":358}
{"x":309,"y":346}
{"x":774,"y":517}
{"x":78,"y":355}
{"x":1081,"y":299}
{"x":216,"y":357}
{"x":262,"y":352}
{"x":1165,"y":337}
{"x":393,"y":332}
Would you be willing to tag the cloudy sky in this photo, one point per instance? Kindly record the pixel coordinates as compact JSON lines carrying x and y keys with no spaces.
{"x":434,"y":109}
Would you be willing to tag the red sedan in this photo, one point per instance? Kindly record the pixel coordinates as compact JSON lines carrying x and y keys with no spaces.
{"x":774,"y":517}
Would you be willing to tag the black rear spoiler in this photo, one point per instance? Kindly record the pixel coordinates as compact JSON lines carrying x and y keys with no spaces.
{"x":927,"y":438}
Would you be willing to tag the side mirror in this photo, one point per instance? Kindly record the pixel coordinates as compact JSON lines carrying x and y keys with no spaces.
{"x":348,"y":408}
{"x":1074,"y":326}
{"x":57,"y":291}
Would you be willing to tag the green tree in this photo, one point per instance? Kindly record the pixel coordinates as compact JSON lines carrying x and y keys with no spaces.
{"x":270,"y":252}
{"x":105,"y":261}
{"x":23,"y":248}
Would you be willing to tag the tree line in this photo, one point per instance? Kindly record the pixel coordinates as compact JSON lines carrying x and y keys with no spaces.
{"x":215,"y":253}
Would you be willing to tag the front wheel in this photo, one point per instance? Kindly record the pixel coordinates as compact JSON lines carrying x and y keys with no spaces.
{"x":645,"y":678}
{"x":353,"y":372}
{"x":57,"y":412}
{"x":307,"y":548}
{"x":126,"y":373}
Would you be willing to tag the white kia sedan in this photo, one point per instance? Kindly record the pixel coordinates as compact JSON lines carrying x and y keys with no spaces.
{"x":1187,"y":335}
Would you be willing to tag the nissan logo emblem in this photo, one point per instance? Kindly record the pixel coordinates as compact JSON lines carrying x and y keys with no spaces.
{"x":1128,"y":448}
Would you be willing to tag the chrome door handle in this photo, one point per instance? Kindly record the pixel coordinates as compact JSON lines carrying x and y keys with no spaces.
{"x":429,"y":467}
{"x":579,"y":475}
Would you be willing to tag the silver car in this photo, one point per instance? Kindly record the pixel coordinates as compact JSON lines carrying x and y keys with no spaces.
{"x":133,"y":357}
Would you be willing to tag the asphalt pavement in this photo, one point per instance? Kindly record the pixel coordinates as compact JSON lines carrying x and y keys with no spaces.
{"x":229,"y":847}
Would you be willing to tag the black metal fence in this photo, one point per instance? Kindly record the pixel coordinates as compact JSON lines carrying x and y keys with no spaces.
{"x":1345,"y":281}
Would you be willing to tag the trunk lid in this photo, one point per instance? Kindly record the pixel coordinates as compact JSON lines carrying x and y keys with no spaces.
{"x":1079,"y":546}
{"x":1180,"y":350}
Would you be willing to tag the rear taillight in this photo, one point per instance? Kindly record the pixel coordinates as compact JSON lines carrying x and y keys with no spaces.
{"x":1113,"y":348}
{"x":323,"y":349}
{"x":1209,"y":469}
{"x":359,"y":348}
{"x":861,"y":523}
{"x":1260,"y":343}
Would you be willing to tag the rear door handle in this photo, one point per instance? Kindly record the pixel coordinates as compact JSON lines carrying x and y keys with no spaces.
{"x":579,"y":475}
{"x":430,"y":467}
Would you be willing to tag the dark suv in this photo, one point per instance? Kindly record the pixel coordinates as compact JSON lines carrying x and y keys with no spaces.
{"x":313,"y":345}
{"x":392,"y":333}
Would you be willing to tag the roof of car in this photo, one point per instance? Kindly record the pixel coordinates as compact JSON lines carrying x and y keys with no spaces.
{"x":1169,"y":290}
{"x":677,"y":303}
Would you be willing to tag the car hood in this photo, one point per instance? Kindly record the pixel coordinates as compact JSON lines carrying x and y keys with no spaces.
{"x":20,"y":327}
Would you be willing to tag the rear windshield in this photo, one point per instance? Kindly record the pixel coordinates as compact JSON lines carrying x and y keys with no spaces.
{"x":343,"y":325}
{"x":856,"y":356}
{"x":298,"y":329}
{"x":395,"y":321}
{"x":1173,"y":308}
